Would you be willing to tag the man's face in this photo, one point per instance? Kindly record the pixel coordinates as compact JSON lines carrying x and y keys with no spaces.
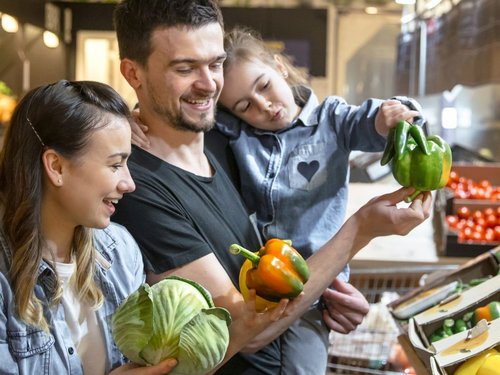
{"x":183,"y":76}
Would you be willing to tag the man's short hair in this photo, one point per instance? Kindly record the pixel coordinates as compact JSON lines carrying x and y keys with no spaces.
{"x":135,"y":21}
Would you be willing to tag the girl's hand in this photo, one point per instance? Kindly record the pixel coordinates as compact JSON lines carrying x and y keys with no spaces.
{"x":139,"y":130}
{"x":345,"y":307}
{"x":390,"y":113}
{"x":164,"y":367}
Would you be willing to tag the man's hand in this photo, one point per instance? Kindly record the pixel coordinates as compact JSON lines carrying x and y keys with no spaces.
{"x":390,"y":113}
{"x":345,"y":307}
{"x":382,"y":216}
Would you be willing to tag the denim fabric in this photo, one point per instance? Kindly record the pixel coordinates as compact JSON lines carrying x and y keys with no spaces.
{"x":296,"y":179}
{"x":28,"y":350}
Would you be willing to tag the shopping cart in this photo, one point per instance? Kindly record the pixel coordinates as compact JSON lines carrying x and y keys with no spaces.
{"x":367,"y":350}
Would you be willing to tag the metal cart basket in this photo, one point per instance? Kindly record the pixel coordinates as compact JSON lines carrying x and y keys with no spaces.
{"x":367,"y":349}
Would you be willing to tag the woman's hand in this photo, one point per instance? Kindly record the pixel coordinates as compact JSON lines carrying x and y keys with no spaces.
{"x":345,"y":307}
{"x":164,"y":367}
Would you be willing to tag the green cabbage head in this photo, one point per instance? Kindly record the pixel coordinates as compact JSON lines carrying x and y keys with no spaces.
{"x":174,"y":318}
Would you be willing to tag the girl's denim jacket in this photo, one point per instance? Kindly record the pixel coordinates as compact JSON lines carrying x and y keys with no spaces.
{"x":25,"y":349}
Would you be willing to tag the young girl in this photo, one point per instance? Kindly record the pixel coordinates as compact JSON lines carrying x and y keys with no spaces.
{"x":62,"y":170}
{"x":292,"y":155}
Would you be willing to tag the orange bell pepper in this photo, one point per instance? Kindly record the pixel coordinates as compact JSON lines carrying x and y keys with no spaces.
{"x":276,"y":271}
{"x":489,"y":312}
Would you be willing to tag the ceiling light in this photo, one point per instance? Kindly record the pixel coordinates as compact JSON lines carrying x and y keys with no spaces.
{"x":405,"y":2}
{"x":9,"y":23}
{"x":50,"y":39}
{"x":371,"y":10}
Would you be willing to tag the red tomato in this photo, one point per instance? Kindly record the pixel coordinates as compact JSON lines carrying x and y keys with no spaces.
{"x":477,"y":214}
{"x":477,"y":193}
{"x":452,"y":221}
{"x":468,"y":233}
{"x":481,"y":221}
{"x":470,"y":223}
{"x":498,"y":211}
{"x":461,"y":224}
{"x":491,"y":220}
{"x":454,"y":177}
{"x":461,"y":237}
{"x":489,"y":211}
{"x":479,"y":229}
{"x":463,"y":212}
{"x":489,"y":235}
{"x":477,"y":236}
{"x":484,"y":184}
{"x":461,"y":194}
{"x":497,"y":232}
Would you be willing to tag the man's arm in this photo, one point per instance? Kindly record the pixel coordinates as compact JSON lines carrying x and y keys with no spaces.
{"x":379,"y":217}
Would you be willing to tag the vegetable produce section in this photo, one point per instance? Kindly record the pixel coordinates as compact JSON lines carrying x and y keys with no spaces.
{"x":450,"y":326}
{"x":276,"y":271}
{"x":468,"y":188}
{"x":475,"y":225}
{"x":416,"y":160}
{"x":174,"y":318}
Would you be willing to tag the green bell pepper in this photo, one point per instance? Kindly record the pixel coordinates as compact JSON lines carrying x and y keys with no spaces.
{"x":417,"y":161}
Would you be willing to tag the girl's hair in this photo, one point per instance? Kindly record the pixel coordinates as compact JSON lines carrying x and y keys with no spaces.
{"x":61,"y":116}
{"x":247,"y":44}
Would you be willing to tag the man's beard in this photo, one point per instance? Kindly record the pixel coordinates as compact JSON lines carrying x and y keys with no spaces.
{"x":177,"y":120}
{"x":180,"y":123}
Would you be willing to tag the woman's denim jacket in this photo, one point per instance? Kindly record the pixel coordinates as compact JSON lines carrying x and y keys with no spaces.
{"x":25,"y":349}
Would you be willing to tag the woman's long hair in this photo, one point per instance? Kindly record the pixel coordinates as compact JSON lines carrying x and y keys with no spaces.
{"x":61,"y":116}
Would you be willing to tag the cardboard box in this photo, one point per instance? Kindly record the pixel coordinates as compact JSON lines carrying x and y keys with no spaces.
{"x":476,"y":172}
{"x":421,"y":327}
{"x":486,"y":264}
{"x":431,"y":319}
{"x":455,"y":350}
{"x":447,"y":243}
{"x":456,"y":248}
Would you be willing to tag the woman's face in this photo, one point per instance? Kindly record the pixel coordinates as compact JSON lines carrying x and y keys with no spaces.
{"x":259,"y":94}
{"x":96,"y":180}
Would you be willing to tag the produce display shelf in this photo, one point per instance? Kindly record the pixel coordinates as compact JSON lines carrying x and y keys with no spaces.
{"x":367,"y":349}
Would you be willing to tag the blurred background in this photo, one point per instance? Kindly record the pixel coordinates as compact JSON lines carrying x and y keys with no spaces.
{"x":446,"y":53}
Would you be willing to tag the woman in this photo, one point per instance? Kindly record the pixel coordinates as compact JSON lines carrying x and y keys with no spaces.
{"x":62,"y":170}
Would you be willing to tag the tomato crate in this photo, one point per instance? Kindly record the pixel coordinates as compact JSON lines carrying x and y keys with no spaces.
{"x":372,"y":348}
{"x":474,"y":176}
{"x":449,"y":241}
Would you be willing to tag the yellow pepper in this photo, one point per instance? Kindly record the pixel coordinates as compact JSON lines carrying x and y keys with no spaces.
{"x":477,"y":365}
{"x":490,"y":366}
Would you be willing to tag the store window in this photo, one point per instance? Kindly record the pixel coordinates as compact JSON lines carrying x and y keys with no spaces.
{"x":97,"y":59}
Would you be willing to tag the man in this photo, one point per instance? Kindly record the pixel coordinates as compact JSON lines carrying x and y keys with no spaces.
{"x":185,"y":212}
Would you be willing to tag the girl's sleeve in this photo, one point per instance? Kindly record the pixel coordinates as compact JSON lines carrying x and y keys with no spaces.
{"x":355,"y":125}
{"x":228,"y":124}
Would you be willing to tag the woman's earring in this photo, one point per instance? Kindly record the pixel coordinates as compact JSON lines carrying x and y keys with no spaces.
{"x":59,"y":181}
{"x":285,"y":74}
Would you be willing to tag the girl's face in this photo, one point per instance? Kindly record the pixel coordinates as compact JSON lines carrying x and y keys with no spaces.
{"x":95,"y":181}
{"x":259,"y":94}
